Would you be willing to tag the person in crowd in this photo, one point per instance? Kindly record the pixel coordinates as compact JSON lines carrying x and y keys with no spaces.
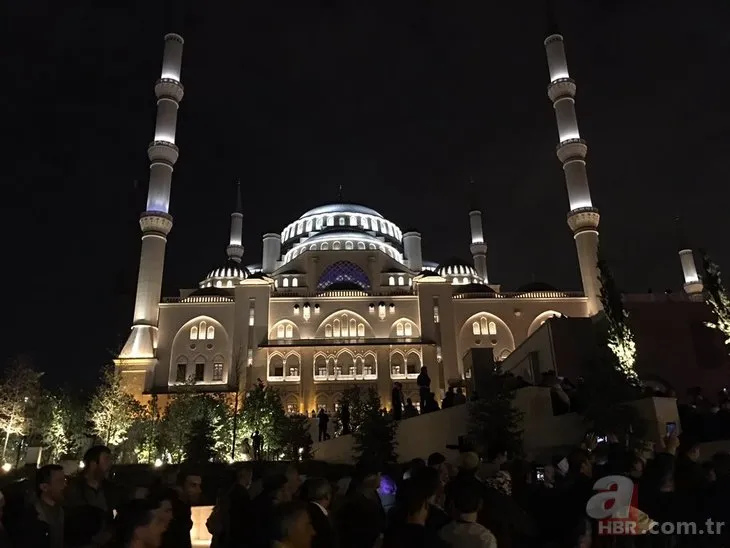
{"x":258,"y":444}
{"x":345,"y":418}
{"x":90,"y":500}
{"x":429,"y":480}
{"x":448,"y":400}
{"x":497,"y":456}
{"x":186,"y":494}
{"x":459,"y":397}
{"x":138,"y":525}
{"x":361,"y":518}
{"x":323,"y":420}
{"x":276,"y":490}
{"x":430,"y":404}
{"x":409,"y":530}
{"x":317,"y":493}
{"x":437,"y":461}
{"x":413,"y":466}
{"x":226,"y":523}
{"x":409,"y":410}
{"x":465,"y":531}
{"x":291,"y":526}
{"x":423,"y":381}
{"x":396,"y":401}
{"x":44,"y":520}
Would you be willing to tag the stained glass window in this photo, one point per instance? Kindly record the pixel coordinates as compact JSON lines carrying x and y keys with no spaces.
{"x":343,"y":272}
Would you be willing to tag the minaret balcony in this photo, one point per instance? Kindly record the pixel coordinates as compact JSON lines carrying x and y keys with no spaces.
{"x":562,"y":87}
{"x":156,"y":222}
{"x":163,"y":151}
{"x":571,"y":149}
{"x":583,"y":219}
{"x":169,"y":88}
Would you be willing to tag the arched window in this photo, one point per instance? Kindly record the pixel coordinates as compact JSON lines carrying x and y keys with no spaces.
{"x":391,"y":280}
{"x":330,"y":221}
{"x":201,"y":330}
{"x":324,"y":247}
{"x":364,"y":222}
{"x":343,"y":272}
{"x":313,"y":247}
{"x":294,"y":282}
{"x":285,"y":282}
{"x":484,"y":326}
{"x":409,"y":329}
{"x":353,"y":327}
{"x":371,"y":246}
{"x":353,"y":221}
{"x":280,"y":331}
{"x":344,"y":326}
{"x":289,"y":331}
{"x":381,"y":311}
{"x":300,"y":228}
{"x":360,"y":330}
{"x":400,"y":280}
{"x":336,"y":328}
{"x":211,"y":332}
{"x":348,"y":245}
{"x":492,"y":328}
{"x":341,"y":221}
{"x":309,"y":225}
{"x":328,"y":330}
{"x":194,"y":333}
{"x":399,"y":329}
{"x":361,"y":245}
{"x":465,"y":281}
{"x":337,"y":245}
{"x":475,"y":328}
{"x":318,"y":223}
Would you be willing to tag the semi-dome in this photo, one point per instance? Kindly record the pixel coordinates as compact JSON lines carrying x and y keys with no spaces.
{"x":229,"y":275}
{"x":458,"y":272}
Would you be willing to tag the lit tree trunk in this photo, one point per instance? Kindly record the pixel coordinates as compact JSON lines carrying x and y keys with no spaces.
{"x":5,"y":445}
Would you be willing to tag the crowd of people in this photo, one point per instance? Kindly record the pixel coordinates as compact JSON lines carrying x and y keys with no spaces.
{"x":477,"y":503}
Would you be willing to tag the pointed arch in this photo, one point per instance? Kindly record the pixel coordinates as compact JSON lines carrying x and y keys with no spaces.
{"x":501,"y":340}
{"x":394,"y":330}
{"x":284,"y":329}
{"x":183,"y":345}
{"x":343,"y":272}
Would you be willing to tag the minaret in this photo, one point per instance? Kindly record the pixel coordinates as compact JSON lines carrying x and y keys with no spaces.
{"x":156,"y":222}
{"x":478,"y":246}
{"x":235,"y":246}
{"x":583,"y":218}
{"x":692,"y":283}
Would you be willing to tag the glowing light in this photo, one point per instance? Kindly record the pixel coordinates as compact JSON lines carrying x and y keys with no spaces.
{"x":301,"y":450}
{"x":170,"y":75}
{"x":579,"y":203}
{"x":569,"y":135}
{"x":82,"y":465}
{"x":559,"y":75}
{"x":158,"y":463}
{"x":7,"y":467}
{"x":161,"y":135}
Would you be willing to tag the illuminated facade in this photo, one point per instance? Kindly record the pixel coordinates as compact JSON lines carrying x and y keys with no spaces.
{"x":341,"y":295}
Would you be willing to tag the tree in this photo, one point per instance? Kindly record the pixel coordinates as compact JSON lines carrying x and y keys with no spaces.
{"x":493,"y":419}
{"x":716,"y":297}
{"x":19,"y":392}
{"x":199,"y":447}
{"x":112,"y":410}
{"x":374,"y":431}
{"x":620,"y":337}
{"x":296,"y":437}
{"x":262,"y":410}
{"x":60,"y":427}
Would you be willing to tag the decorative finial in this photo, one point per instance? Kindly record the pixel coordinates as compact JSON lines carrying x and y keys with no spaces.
{"x":473,"y":200}
{"x":552,"y":23}
{"x":339,"y":193}
{"x":239,"y":202}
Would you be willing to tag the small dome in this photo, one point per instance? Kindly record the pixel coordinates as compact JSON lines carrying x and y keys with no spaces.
{"x":473,"y":288}
{"x":459,"y":272}
{"x":227,"y":275}
{"x":210,"y":292}
{"x":535,"y":287}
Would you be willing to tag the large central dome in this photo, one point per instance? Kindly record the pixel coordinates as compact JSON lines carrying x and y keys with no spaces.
{"x":341,"y":227}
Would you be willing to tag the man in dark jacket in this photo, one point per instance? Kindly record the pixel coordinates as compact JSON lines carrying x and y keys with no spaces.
{"x":317,"y":493}
{"x":43,"y":522}
{"x":188,"y":493}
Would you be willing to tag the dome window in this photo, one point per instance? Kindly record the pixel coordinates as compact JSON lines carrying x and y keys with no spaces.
{"x":296,"y":309}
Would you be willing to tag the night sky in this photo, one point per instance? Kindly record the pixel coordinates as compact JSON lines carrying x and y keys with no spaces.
{"x":400,"y":102}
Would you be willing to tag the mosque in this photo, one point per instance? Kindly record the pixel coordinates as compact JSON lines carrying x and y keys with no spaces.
{"x":342,"y":295}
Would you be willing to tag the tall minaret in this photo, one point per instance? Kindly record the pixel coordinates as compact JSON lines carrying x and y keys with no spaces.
{"x":478,"y":246}
{"x":156,"y":221}
{"x":693,"y":285}
{"x":235,"y":247}
{"x":583,"y":218}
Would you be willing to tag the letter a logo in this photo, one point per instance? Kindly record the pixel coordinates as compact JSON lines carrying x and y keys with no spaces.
{"x":613,"y":500}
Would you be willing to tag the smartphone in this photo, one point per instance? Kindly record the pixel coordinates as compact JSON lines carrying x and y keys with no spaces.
{"x":540,"y":474}
{"x":671,"y":428}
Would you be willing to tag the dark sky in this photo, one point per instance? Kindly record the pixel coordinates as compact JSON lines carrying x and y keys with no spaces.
{"x":398,"y":102}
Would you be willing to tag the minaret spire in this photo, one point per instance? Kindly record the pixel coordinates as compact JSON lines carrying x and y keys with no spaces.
{"x":155,"y":221}
{"x":692,"y":283}
{"x":583,"y":218}
{"x":478,"y":246}
{"x":235,"y":244}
